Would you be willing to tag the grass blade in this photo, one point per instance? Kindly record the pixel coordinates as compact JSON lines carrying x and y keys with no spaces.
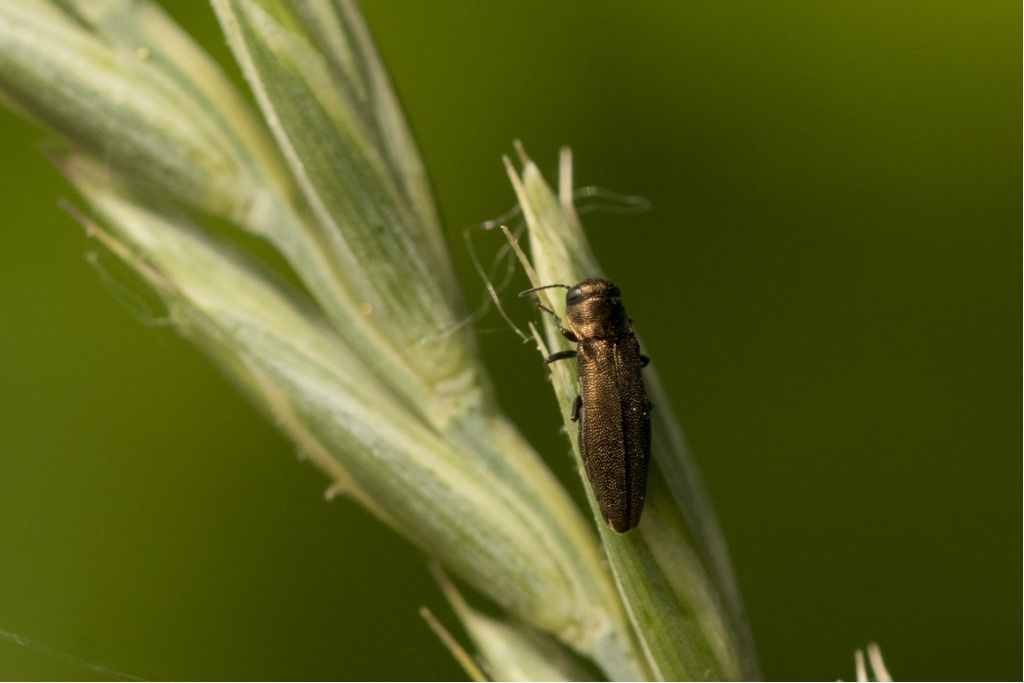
{"x":668,"y":570}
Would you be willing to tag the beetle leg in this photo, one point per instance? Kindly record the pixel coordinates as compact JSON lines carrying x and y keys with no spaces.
{"x":576,"y":405}
{"x":549,"y":312}
{"x":558,"y":321}
{"x":565,"y":332}
{"x":644,"y":360}
{"x":560,"y":355}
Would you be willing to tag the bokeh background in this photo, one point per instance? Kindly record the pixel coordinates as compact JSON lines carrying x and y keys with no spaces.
{"x":828,"y":279}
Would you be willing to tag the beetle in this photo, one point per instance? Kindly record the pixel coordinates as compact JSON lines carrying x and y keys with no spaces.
{"x":611,"y":406}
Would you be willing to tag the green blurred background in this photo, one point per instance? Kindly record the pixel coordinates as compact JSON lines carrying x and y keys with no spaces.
{"x":829,"y":282}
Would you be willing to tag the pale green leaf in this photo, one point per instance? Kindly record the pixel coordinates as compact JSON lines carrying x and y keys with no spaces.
{"x":338,"y":30}
{"x":112,"y":102}
{"x":503,"y":528}
{"x":143,"y":28}
{"x":672,"y":570}
{"x":509,"y":650}
{"x":368,"y":226}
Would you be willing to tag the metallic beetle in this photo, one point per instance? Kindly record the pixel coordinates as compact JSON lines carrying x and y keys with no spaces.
{"x":612,"y":407}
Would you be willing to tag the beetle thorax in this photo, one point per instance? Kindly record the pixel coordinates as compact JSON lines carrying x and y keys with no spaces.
{"x":594,"y":310}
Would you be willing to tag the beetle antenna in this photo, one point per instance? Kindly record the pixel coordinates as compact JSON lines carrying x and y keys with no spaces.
{"x":548,"y":310}
{"x":537,"y":289}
